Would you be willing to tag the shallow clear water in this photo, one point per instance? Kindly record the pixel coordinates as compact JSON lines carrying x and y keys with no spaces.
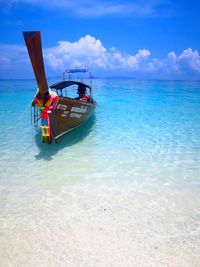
{"x":121,"y":190}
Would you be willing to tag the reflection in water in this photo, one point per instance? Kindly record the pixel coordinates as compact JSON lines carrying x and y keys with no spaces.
{"x":73,"y":137}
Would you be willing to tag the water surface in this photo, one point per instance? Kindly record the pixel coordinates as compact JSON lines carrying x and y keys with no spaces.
{"x":121,"y":190}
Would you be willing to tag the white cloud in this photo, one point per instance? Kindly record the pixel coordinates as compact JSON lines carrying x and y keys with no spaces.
{"x":96,"y":8}
{"x":90,"y":52}
{"x":190,"y":58}
{"x":185,"y":64}
{"x":173,"y":61}
{"x":11,"y":54}
{"x":87,"y":49}
{"x":135,"y":62}
{"x":55,"y":63}
{"x":168,"y":66}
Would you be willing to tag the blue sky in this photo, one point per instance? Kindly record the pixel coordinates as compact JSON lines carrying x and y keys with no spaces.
{"x":156,"y":39}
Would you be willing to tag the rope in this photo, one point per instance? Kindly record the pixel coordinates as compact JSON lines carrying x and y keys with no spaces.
{"x":7,"y":132}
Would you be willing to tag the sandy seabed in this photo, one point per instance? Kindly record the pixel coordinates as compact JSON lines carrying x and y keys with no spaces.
{"x":109,"y":223}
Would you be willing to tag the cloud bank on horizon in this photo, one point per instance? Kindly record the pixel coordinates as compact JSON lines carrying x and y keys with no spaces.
{"x":90,"y":52}
{"x":157,"y":39}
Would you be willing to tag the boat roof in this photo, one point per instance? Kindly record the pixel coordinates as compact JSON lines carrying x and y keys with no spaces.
{"x":64,"y":84}
{"x":76,"y":70}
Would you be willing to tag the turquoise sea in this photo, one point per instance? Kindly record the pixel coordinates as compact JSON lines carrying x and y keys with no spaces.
{"x":121,"y":190}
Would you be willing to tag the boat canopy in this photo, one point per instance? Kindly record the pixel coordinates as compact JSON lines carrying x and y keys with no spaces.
{"x":64,"y":84}
{"x":76,"y":70}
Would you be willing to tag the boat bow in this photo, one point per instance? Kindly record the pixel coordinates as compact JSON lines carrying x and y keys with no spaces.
{"x":34,"y":47}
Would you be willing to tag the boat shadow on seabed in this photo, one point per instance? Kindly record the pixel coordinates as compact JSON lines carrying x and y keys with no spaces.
{"x":73,"y":137}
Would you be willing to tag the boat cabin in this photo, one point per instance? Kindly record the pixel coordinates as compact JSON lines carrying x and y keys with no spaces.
{"x":73,"y":85}
{"x":78,"y":89}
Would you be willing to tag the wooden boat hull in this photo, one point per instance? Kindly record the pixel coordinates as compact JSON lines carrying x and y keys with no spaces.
{"x":69,"y":114}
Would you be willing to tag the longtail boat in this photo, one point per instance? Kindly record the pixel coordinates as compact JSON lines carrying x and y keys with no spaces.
{"x":54,"y":109}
